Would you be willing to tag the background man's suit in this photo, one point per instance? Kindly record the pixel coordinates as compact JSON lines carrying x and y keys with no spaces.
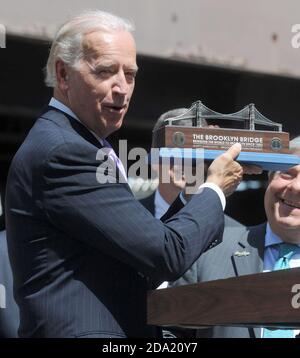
{"x":223,"y":262}
{"x":82,"y":252}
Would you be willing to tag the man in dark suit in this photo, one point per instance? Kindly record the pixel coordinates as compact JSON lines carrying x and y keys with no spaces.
{"x":255,"y":249}
{"x":160,"y":200}
{"x":83,"y":250}
{"x":165,"y":194}
{"x":9,"y":311}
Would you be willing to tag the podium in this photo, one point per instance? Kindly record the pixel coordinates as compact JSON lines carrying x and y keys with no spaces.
{"x":270,"y":299}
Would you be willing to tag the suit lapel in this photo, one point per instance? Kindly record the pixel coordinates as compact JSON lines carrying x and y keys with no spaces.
{"x":248,"y":256}
{"x":149,"y":203}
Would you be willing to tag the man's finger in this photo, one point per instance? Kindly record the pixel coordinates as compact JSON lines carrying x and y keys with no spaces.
{"x":234,"y":150}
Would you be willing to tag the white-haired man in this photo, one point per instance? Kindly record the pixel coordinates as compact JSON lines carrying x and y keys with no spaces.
{"x":83,"y":249}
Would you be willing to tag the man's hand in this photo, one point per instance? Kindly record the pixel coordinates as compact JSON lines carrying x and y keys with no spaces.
{"x":225,"y":172}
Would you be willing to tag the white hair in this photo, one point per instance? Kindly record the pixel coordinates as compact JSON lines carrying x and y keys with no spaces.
{"x":67,"y":44}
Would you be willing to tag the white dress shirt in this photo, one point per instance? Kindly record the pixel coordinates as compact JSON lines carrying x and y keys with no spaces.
{"x":160,"y":205}
{"x":212,"y":186}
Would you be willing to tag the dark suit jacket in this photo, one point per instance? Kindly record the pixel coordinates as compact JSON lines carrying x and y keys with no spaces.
{"x":82,"y":252}
{"x":148,"y":203}
{"x":221,"y":262}
{"x":9,"y":311}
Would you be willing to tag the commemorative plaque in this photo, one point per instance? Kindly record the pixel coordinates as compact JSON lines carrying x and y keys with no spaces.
{"x":263,"y":141}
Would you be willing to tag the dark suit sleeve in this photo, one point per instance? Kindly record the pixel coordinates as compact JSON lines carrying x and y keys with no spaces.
{"x":173,"y":209}
{"x":189,"y":277}
{"x":108,"y":218}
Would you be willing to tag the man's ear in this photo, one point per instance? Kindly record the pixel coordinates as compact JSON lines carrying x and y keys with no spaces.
{"x":62,"y":75}
{"x":271,"y":176}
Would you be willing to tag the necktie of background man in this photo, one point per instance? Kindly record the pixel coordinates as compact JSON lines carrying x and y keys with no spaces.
{"x":286,"y":251}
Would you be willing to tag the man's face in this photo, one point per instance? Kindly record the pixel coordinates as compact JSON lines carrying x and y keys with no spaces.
{"x":99,"y":91}
{"x":282,"y":204}
{"x":177,"y":176}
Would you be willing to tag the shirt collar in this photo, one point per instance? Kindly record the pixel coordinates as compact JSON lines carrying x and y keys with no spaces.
{"x":271,"y":238}
{"x":161,"y":206}
{"x":59,"y":105}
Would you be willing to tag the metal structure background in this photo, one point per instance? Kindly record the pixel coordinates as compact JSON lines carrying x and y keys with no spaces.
{"x":251,"y":35}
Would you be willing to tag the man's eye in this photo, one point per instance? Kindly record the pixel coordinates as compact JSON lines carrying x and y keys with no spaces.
{"x":103,"y":72}
{"x":130,"y":76}
{"x":286,"y":175}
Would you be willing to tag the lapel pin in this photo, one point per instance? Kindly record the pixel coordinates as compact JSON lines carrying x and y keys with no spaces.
{"x":241,"y":253}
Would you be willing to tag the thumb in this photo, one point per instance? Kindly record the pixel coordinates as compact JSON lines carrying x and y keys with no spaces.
{"x":234,"y":150}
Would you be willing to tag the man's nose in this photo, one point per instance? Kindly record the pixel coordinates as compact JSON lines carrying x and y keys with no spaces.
{"x":120,"y":85}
